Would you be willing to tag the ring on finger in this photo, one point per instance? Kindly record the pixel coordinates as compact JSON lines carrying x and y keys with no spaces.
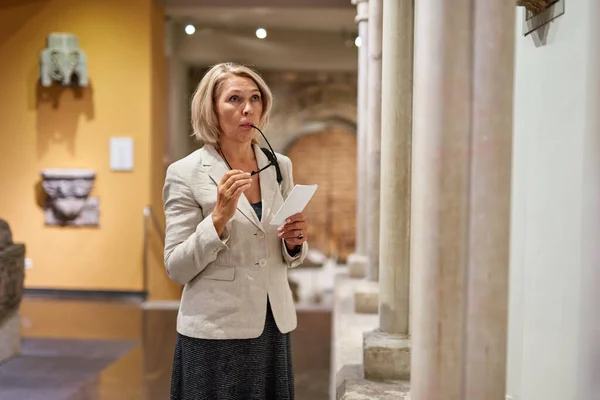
{"x":301,"y":235}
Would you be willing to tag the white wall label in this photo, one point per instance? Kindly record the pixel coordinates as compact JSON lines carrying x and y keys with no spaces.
{"x":121,"y":154}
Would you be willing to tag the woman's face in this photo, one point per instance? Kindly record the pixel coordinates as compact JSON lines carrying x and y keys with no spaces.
{"x":239,"y":105}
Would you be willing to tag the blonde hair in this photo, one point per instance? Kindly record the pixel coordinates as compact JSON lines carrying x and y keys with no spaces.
{"x":205,"y":121}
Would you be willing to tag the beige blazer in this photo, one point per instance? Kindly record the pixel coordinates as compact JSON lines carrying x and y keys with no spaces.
{"x":227,"y":280}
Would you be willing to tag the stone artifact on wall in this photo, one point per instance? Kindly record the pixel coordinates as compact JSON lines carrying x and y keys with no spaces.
{"x":12,"y":277}
{"x":62,"y":61}
{"x":535,"y":6}
{"x":68,"y":202}
{"x":538,"y":15}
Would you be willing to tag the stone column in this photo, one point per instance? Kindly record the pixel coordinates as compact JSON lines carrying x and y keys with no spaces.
{"x":387,"y":350}
{"x":461,"y":178}
{"x":358,"y":261}
{"x":366,"y":299}
{"x":373,"y":161}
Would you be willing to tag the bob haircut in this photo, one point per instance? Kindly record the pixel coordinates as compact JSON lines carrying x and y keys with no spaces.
{"x":205,"y":121}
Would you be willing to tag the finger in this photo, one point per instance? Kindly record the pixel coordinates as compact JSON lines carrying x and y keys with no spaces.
{"x":237,"y":185}
{"x":234,"y":182}
{"x":239,"y":191}
{"x":292,"y":226}
{"x":229,"y":174}
{"x":296,"y":218}
{"x":292,"y":234}
{"x":233,"y":178}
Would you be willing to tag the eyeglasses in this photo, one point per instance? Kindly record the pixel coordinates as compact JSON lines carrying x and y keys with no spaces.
{"x":270,"y":155}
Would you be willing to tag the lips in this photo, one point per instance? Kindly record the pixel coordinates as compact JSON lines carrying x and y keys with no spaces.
{"x":246,"y":125}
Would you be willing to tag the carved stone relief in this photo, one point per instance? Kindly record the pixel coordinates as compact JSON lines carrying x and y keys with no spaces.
{"x":537,"y":17}
{"x":68,"y":202}
{"x":62,"y":61}
{"x":535,"y":6}
{"x":12,"y":271}
{"x":12,"y":278}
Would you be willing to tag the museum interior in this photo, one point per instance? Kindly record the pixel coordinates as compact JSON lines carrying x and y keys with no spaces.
{"x":453,"y":244}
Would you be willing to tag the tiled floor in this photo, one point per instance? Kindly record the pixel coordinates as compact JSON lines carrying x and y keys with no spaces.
{"x":115,"y":350}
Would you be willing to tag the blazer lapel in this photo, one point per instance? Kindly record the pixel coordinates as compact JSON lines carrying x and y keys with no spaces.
{"x":268,"y":184}
{"x":216,"y":170}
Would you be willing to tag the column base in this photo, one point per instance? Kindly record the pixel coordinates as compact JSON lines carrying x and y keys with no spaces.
{"x":366,"y":298}
{"x":361,"y":389}
{"x":10,"y":336}
{"x":386,"y":356}
{"x":357,"y":265}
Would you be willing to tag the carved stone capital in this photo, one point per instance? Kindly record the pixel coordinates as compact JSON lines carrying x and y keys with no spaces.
{"x":362,"y":10}
{"x":68,"y":200}
{"x":63,"y":60}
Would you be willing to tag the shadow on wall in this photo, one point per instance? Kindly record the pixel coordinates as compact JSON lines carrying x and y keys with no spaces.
{"x":58,"y":112}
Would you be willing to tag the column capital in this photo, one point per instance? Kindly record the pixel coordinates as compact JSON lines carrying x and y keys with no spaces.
{"x":362,"y":10}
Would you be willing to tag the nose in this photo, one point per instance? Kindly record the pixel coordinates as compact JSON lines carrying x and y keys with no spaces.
{"x":248,"y":109}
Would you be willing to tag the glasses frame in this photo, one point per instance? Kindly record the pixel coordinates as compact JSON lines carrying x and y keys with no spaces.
{"x":272,"y":161}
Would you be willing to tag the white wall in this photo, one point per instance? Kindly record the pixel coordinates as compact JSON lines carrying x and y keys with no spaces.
{"x":555,"y":238}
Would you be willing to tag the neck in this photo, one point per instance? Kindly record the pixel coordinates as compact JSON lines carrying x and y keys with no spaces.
{"x":237,"y":153}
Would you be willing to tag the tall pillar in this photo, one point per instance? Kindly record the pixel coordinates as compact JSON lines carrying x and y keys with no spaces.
{"x":387,"y":350}
{"x":373,"y":161}
{"x":366,"y":298}
{"x":462,"y":148}
{"x":358,"y":261}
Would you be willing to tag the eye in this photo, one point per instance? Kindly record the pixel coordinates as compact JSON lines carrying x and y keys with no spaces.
{"x":234,"y":98}
{"x":256,"y":97}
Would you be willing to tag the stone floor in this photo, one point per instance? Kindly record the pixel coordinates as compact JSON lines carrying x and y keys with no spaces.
{"x":118,"y":350}
{"x":347,"y":372}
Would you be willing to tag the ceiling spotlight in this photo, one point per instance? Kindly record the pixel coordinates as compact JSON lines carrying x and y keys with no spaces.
{"x":357,"y":41}
{"x":190,"y":29}
{"x":261,"y":33}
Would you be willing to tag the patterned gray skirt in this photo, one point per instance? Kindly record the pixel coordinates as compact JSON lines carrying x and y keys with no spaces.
{"x":234,"y":369}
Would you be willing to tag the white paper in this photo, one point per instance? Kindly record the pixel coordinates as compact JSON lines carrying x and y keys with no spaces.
{"x":295,"y":203}
{"x":121,"y":154}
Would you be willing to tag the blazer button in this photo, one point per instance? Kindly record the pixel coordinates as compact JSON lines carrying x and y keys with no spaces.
{"x":262,"y":262}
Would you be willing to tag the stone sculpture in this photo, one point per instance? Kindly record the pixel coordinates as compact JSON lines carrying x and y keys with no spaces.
{"x":12,"y":277}
{"x":538,"y":16}
{"x":62,"y":60}
{"x":68,"y":202}
{"x":535,"y":6}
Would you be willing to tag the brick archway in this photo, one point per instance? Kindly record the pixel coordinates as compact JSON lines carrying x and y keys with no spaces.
{"x":328,"y":158}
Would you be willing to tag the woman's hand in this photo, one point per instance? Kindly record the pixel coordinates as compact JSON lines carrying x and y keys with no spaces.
{"x":295,"y":231}
{"x":231,"y":187}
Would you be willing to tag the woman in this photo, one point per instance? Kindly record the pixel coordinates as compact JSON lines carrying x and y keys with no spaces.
{"x":236,"y":309}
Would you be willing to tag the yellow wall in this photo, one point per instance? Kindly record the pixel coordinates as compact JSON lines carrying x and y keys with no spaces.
{"x":56,"y":128}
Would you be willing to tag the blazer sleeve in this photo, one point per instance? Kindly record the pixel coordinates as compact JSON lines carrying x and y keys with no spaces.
{"x":287,"y":186}
{"x":191,"y":240}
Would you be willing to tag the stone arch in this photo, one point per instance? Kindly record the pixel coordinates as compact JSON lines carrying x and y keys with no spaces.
{"x":324,"y":152}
